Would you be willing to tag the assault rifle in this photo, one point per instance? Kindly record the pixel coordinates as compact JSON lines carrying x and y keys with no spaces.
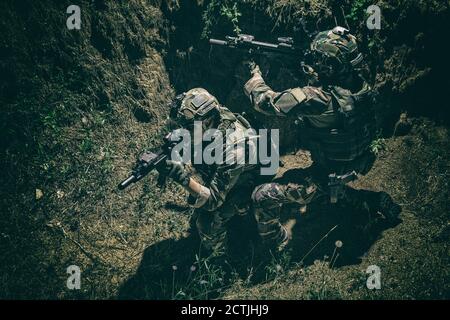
{"x":246,"y":42}
{"x":151,"y":160}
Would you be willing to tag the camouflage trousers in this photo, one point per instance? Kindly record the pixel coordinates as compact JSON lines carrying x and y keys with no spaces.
{"x":268,"y":201}
{"x":212,"y":226}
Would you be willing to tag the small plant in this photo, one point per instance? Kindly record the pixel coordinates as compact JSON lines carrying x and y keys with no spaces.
{"x":278,"y":265}
{"x":358,"y":11}
{"x":86,"y":145}
{"x":205,"y":279}
{"x":378,"y":145}
{"x":224,"y":9}
{"x":232,"y":14}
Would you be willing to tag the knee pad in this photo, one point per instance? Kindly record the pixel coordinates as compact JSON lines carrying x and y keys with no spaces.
{"x":267,"y":193}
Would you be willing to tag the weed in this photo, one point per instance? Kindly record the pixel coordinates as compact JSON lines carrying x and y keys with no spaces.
{"x":86,"y":146}
{"x":323,"y":293}
{"x":377,"y":146}
{"x":358,"y":11}
{"x":205,"y":279}
{"x":51,"y":120}
{"x":222,"y":9}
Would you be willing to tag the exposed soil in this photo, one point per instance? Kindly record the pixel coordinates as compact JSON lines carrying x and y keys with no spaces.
{"x":79,"y":106}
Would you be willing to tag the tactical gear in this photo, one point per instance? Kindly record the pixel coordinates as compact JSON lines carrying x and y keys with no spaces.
{"x":336,"y":124}
{"x":268,"y":200}
{"x":335,"y":52}
{"x":349,"y":133}
{"x":196,"y":104}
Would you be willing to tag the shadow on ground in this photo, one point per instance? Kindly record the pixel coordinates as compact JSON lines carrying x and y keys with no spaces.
{"x":341,"y":235}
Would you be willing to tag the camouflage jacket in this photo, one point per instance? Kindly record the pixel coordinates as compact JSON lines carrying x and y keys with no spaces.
{"x":220,"y":179}
{"x":338,"y":125}
{"x":311,"y":102}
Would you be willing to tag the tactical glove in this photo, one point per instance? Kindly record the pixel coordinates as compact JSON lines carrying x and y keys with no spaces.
{"x":252,"y":67}
{"x":177,"y":172}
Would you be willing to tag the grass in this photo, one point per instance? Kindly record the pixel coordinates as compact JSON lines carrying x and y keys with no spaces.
{"x":74,"y":136}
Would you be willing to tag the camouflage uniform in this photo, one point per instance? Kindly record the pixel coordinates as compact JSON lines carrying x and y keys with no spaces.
{"x":226,"y":186}
{"x":268,"y":200}
{"x":337,"y":126}
{"x":229,"y":188}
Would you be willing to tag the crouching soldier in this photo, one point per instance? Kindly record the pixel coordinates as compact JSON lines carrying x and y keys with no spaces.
{"x":336,"y":124}
{"x":226,"y":185}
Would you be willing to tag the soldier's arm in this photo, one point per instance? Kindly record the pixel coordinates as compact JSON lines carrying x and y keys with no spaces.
{"x":213,"y":195}
{"x":305,"y":101}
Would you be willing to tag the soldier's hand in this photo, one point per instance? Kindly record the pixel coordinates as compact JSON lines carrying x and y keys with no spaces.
{"x":252,"y":67}
{"x":177,"y":172}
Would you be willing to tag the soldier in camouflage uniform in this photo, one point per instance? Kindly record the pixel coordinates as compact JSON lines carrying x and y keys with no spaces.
{"x":227,"y":187}
{"x":337,"y":126}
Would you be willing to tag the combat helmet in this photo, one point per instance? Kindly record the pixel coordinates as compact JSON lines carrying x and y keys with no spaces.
{"x":195,"y":105}
{"x":335,"y":53}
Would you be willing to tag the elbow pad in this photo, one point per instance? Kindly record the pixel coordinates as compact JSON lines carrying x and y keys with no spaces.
{"x":202,"y":197}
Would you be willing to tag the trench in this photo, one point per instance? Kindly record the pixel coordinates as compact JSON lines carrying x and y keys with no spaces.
{"x":191,"y":62}
{"x":43,"y":148}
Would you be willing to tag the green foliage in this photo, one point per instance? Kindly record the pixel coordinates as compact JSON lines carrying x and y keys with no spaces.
{"x":278,"y":265}
{"x":51,"y":120}
{"x":86,"y":145}
{"x":232,"y":14}
{"x":358,"y":11}
{"x":377,"y":146}
{"x":208,"y":18}
{"x":225,"y":9}
{"x":324,"y":293}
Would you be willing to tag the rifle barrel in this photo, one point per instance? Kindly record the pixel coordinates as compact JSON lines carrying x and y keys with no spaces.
{"x":125,"y":183}
{"x":257,"y":46}
{"x":218,"y":42}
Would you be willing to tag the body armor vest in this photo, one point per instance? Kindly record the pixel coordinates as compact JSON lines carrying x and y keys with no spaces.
{"x":345,"y":131}
{"x":232,"y":122}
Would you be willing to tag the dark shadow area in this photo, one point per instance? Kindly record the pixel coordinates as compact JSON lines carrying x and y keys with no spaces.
{"x":167,"y":267}
{"x":315,"y":237}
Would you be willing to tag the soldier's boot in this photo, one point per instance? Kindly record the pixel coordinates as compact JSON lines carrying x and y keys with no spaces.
{"x":387,"y":207}
{"x":378,"y":204}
